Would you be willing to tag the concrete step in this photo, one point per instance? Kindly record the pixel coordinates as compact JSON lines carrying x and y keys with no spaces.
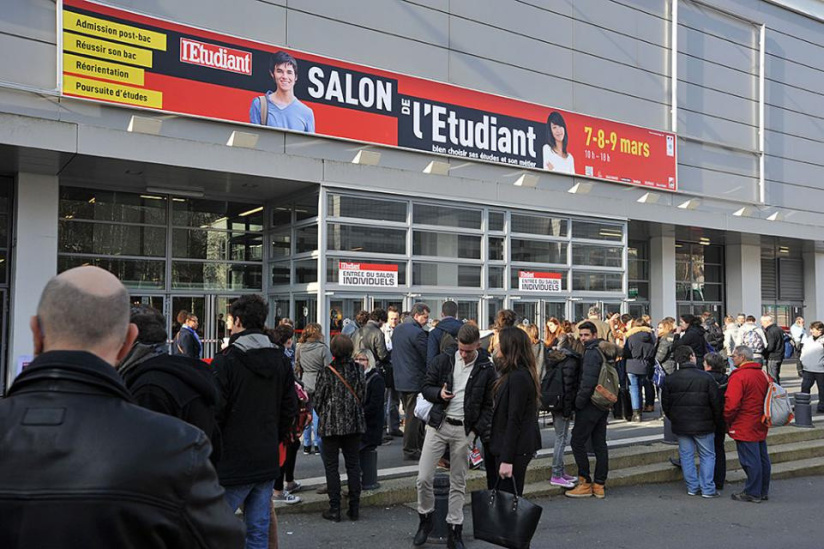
{"x":639,"y":464}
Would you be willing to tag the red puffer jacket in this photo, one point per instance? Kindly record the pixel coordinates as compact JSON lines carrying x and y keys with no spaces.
{"x":744,"y":405}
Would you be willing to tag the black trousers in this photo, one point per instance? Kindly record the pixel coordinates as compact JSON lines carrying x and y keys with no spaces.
{"x":519,"y":466}
{"x":287,"y":472}
{"x":413,"y":430}
{"x":720,"y":475}
{"x":807,"y":381}
{"x":349,"y":445}
{"x":591,"y":423}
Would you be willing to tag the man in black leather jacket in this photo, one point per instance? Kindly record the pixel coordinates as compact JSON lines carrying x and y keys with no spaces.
{"x":83,"y":466}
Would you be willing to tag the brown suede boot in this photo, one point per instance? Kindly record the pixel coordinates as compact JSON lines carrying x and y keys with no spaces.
{"x":598,"y":491}
{"x":583,"y":490}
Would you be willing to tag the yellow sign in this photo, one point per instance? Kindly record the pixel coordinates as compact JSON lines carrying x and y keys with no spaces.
{"x":102,"y":69}
{"x":85,"y":24}
{"x":106,"y":91}
{"x":106,"y":50}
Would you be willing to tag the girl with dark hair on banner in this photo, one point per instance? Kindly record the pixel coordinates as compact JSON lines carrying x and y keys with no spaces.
{"x":556,"y":157}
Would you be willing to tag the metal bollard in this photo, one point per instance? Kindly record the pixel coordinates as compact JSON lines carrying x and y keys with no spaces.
{"x":440,"y":487}
{"x":669,"y":436}
{"x":803,"y":410}
{"x":369,"y":468}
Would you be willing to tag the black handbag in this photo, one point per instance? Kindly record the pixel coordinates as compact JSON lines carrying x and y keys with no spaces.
{"x":504,"y":519}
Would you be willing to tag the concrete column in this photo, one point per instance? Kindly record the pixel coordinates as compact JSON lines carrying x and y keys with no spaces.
{"x":743,"y":273}
{"x":662,"y":277}
{"x":813,"y":285}
{"x":34,"y":257}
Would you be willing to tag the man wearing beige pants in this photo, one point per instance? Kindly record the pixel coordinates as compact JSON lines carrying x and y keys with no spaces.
{"x":459,"y":384}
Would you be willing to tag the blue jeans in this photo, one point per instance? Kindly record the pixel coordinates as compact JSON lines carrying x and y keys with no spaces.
{"x":311,"y":431}
{"x":756,"y":464}
{"x":706,"y":462}
{"x":635,"y":383}
{"x":256,"y":510}
{"x":561,"y":440}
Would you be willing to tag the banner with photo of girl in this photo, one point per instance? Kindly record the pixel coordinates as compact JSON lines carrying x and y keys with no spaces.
{"x":128,"y":59}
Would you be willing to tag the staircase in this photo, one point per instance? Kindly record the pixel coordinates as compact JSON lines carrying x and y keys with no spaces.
{"x":793,"y":451}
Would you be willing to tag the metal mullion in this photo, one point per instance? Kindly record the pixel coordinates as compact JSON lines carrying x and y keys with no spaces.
{"x":214,"y":261}
{"x":107,"y":256}
{"x":118,"y":223}
{"x":370,"y":222}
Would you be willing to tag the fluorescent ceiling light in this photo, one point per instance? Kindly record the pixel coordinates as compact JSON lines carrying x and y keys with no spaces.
{"x":690,"y":204}
{"x":367,"y":158}
{"x":193,"y":193}
{"x":151,"y":197}
{"x":527,"y":180}
{"x":250,"y":212}
{"x":746,"y":211}
{"x":436,"y":167}
{"x":144,"y":124}
{"x":242,"y":139}
{"x":776,"y":216}
{"x":580,"y":188}
{"x":649,"y":198}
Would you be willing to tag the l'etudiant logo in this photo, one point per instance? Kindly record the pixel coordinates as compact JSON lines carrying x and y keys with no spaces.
{"x":215,"y":57}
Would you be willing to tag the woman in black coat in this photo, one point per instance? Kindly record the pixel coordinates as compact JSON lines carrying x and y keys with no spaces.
{"x":372,"y":402}
{"x":691,"y":332}
{"x":639,"y":353}
{"x":515,"y":432}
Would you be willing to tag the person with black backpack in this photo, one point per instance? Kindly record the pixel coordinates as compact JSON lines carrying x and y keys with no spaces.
{"x":559,"y":385}
{"x":713,"y":335}
{"x":716,"y":365}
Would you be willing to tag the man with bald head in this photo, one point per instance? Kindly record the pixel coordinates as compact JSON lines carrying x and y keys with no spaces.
{"x":83,"y":466}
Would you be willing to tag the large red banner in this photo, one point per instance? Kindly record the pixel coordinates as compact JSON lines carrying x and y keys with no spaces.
{"x":125,"y":58}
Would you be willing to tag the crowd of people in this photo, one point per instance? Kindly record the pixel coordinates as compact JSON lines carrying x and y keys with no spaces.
{"x":98,"y":412}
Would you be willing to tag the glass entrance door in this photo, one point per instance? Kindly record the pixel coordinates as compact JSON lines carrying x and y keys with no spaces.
{"x":211,"y":312}
{"x":468,"y":309}
{"x":608,"y":308}
{"x":528,"y":312}
{"x":342,"y":312}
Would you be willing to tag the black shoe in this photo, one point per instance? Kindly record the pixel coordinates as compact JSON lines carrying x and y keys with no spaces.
{"x":396,"y":433}
{"x":307,"y":450}
{"x":353,"y":513}
{"x":453,"y":537}
{"x":315,"y":450}
{"x":424,"y":528}
{"x":676,"y":462}
{"x":332,"y":514}
{"x":765,"y":498}
{"x":386,"y":439}
{"x":412,"y":457}
{"x":744,"y":496}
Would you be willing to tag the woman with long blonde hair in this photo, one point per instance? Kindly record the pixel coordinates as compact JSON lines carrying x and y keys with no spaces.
{"x":515,"y":433}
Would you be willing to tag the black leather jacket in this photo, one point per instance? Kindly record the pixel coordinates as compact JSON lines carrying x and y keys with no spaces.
{"x":82,"y":466}
{"x":478,"y":400}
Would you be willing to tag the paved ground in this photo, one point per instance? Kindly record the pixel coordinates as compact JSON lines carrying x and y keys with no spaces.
{"x":390,"y":456}
{"x":651,"y":516}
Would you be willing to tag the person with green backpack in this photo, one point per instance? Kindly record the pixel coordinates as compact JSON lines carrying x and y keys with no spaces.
{"x":597,"y":393}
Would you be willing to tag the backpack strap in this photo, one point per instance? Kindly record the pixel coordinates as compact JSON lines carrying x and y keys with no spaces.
{"x":264,"y":110}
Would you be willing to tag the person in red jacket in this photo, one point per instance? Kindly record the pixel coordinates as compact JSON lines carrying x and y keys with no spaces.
{"x":743,"y":409}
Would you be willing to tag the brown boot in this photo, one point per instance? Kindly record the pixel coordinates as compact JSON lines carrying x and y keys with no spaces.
{"x":583,"y":490}
{"x":598,"y":491}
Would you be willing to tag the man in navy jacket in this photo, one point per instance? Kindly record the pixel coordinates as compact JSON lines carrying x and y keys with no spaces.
{"x":409,"y":365}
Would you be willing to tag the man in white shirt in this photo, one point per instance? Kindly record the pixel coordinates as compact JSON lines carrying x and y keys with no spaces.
{"x":392,"y":400}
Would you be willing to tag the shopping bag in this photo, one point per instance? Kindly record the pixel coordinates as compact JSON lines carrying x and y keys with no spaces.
{"x":475,"y":457}
{"x":504,"y":519}
{"x":422,"y":408}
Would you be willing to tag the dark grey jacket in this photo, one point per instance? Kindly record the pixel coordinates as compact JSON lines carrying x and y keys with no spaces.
{"x":370,"y":337}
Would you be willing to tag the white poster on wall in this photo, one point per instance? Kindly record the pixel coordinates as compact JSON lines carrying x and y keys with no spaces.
{"x":372,"y":275}
{"x":529,"y":281}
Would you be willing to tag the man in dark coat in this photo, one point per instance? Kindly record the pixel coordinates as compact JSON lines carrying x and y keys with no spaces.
{"x":690,"y":400}
{"x":590,"y":420}
{"x":174,"y":385}
{"x":716,"y":366}
{"x":447,"y":328}
{"x":409,"y":368}
{"x":774,"y":349}
{"x":187,"y":342}
{"x":81,"y":465}
{"x":258,"y":406}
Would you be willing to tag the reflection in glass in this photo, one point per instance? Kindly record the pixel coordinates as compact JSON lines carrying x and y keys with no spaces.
{"x":306,"y":239}
{"x":445,"y":216}
{"x":281,"y":245}
{"x":281,"y":273}
{"x":107,"y":239}
{"x":446,"y":245}
{"x":496,"y":248}
{"x":496,"y":277}
{"x":133,"y":273}
{"x":216,"y":276}
{"x":446,"y":274}
{"x":359,"y":207}
{"x":597,"y":282}
{"x":76,"y":203}
{"x":597,"y":231}
{"x":496,"y":221}
{"x":538,"y":251}
{"x":597,"y":256}
{"x":306,"y":271}
{"x":533,"y":224}
{"x":216,"y":214}
{"x":356,"y":238}
{"x":217,"y":245}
